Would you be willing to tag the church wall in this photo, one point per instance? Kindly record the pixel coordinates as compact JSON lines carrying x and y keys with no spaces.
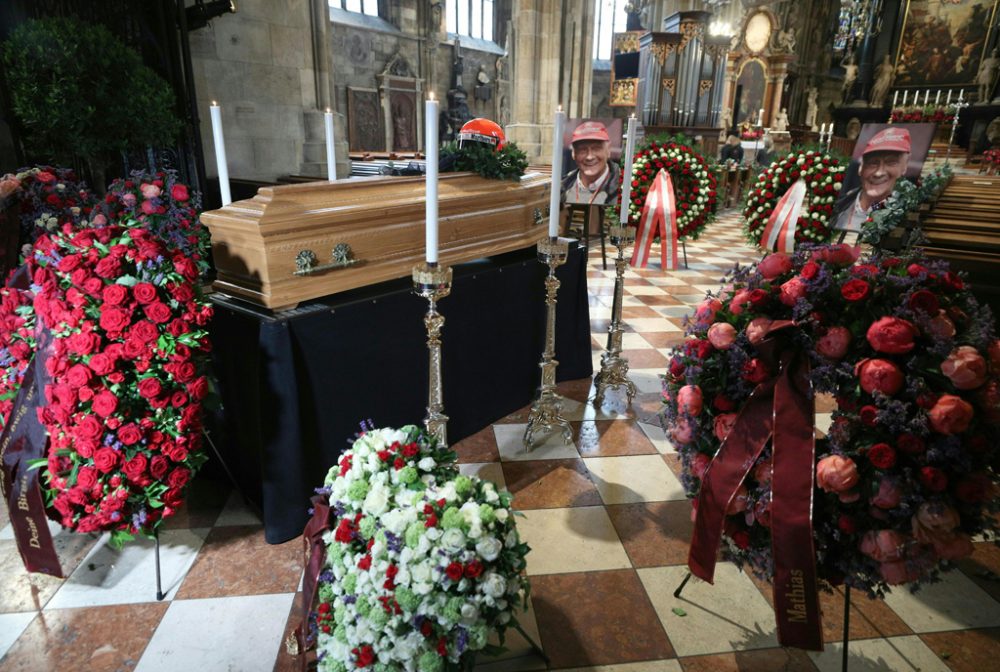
{"x":256,"y":63}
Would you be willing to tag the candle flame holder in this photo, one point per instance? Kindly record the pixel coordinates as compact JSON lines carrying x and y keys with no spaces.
{"x":614,"y":367}
{"x":433,"y":282}
{"x":545,"y":412}
{"x":954,"y":126}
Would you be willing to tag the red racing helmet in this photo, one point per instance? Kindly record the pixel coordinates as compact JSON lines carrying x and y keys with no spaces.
{"x":484,"y":131}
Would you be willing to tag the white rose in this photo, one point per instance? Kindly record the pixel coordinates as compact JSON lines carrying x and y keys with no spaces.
{"x":489,"y":547}
{"x":511,"y":540}
{"x":502,"y":515}
{"x":494,"y":585}
{"x":453,"y":540}
{"x":376,"y":501}
{"x":470,"y":614}
{"x":426,"y":464}
{"x":421,"y":572}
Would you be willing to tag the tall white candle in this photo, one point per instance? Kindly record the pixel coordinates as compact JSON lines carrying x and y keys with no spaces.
{"x":431,"y":198}
{"x":760,"y":117}
{"x":937,"y":97}
{"x":927,"y":96}
{"x":331,"y":159}
{"x":948,"y":99}
{"x":220,"y":153}
{"x":559,"y":122}
{"x":895,"y":95}
{"x":961,"y":92}
{"x":627,"y":170}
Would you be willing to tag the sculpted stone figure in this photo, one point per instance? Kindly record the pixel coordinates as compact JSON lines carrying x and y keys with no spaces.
{"x":780,"y":123}
{"x":811,"y":107}
{"x":850,"y":76}
{"x":883,"y":82}
{"x":987,"y":75}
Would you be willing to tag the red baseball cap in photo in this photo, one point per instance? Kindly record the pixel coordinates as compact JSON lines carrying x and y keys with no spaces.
{"x":590,"y":130}
{"x":889,"y":140}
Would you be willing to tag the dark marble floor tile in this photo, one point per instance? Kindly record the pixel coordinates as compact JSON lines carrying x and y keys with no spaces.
{"x":607,"y":438}
{"x":237,"y":561}
{"x":550,"y":484}
{"x":761,"y":660}
{"x":480,"y":447}
{"x":966,"y":650}
{"x":654,"y":533}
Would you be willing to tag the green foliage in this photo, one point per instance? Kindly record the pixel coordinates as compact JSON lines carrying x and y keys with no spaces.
{"x":905,"y":198}
{"x":78,"y":91}
{"x":508,"y":163}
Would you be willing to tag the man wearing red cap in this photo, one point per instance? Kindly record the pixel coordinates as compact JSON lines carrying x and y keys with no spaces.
{"x":596,"y":179}
{"x":882,"y":163}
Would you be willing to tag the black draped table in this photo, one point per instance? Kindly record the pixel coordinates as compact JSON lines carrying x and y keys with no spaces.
{"x":295,"y":385}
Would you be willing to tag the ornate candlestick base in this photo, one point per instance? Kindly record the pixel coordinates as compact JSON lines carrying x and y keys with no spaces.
{"x":614,"y":367}
{"x":544,"y":416}
{"x":433,"y":282}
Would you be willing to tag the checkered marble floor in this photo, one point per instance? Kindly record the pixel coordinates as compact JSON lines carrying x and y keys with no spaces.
{"x":606,"y":518}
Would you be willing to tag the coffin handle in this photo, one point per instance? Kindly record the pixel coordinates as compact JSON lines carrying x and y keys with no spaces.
{"x":340,"y":257}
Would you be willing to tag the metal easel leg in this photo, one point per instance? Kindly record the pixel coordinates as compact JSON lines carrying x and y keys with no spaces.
{"x":687,"y":577}
{"x":530,"y":641}
{"x":847,"y":625}
{"x":159,"y":590}
{"x":684,"y":248}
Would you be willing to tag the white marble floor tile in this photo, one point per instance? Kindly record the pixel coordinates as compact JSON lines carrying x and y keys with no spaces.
{"x":729,"y":615}
{"x":609,"y":301}
{"x":657,"y":437}
{"x":236,"y":512}
{"x":945,"y":605}
{"x":714,"y":288}
{"x":578,"y":539}
{"x":642,"y":324}
{"x":899,"y":654}
{"x":488,"y":471}
{"x":227,"y":633}
{"x":576,"y":411}
{"x":600,"y":282}
{"x":644,"y":290}
{"x":11,"y":627}
{"x":647,"y":380}
{"x":630,"y":479}
{"x":673,"y":311}
{"x":666,"y":280}
{"x":634,"y":341}
{"x":128,"y":576}
{"x":510,"y":443}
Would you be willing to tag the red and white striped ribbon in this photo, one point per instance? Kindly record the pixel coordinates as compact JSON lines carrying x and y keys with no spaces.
{"x":779,"y":232}
{"x":659,"y":215}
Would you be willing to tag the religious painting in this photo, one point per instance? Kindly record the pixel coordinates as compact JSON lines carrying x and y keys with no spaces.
{"x":403,"y":112}
{"x":364,"y":121}
{"x":750,"y":88}
{"x":943,"y":42}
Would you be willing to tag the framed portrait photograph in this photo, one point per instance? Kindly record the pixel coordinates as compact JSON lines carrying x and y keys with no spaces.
{"x":943,"y":42}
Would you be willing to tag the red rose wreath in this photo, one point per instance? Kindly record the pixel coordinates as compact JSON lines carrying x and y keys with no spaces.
{"x":694,"y":184}
{"x":823,"y":175}
{"x":906,"y":476}
{"x":118,"y":323}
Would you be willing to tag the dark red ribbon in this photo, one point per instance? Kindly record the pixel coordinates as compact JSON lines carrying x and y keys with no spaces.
{"x":779,"y":410}
{"x":315,"y":549}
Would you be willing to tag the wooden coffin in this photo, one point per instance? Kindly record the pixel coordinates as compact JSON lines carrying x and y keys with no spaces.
{"x":256,"y":243}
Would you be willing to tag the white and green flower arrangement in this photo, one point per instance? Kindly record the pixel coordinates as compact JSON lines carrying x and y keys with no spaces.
{"x":422,"y":563}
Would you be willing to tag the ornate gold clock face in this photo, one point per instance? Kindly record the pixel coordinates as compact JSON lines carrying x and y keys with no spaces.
{"x":758,"y":32}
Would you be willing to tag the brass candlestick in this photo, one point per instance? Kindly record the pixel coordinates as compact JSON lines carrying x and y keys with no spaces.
{"x":433,"y":282}
{"x":614,"y":367}
{"x":545,"y":411}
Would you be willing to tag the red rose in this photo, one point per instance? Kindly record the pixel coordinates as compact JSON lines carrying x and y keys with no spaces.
{"x":158,"y":312}
{"x":198,"y":388}
{"x":847,"y":524}
{"x":891,"y":335}
{"x":184,"y":372}
{"x":473,"y":569}
{"x":144,"y":292}
{"x":86,"y":478}
{"x":952,"y":281}
{"x":913,"y":270}
{"x":69,"y":263}
{"x":114,"y":319}
{"x":129,"y":434}
{"x":105,"y":459}
{"x":810,"y":270}
{"x":115,"y":295}
{"x":855,"y":290}
{"x":933,"y":479}
{"x":182,"y":292}
{"x":834,"y":343}
{"x":83,"y":343}
{"x":158,"y":467}
{"x":101,"y":364}
{"x":78,"y":375}
{"x":108,"y":267}
{"x":454,"y":571}
{"x":178,"y":399}
{"x":879,"y":375}
{"x":179,"y":192}
{"x":178,"y":478}
{"x":882,"y":456}
{"x":924,"y":301}
{"x":150,"y":387}
{"x":868,"y":415}
{"x":178,"y":327}
{"x":758,"y":297}
{"x":136,"y":467}
{"x":104,"y":404}
{"x":755,"y":371}
{"x":134,"y":348}
{"x":775,"y":265}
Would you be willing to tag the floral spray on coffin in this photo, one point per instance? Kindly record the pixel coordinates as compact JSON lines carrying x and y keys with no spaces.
{"x":411,"y":565}
{"x":907,"y":474}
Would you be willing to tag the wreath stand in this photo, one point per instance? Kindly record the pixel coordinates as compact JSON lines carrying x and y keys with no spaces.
{"x":847,"y":616}
{"x":156,"y":533}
